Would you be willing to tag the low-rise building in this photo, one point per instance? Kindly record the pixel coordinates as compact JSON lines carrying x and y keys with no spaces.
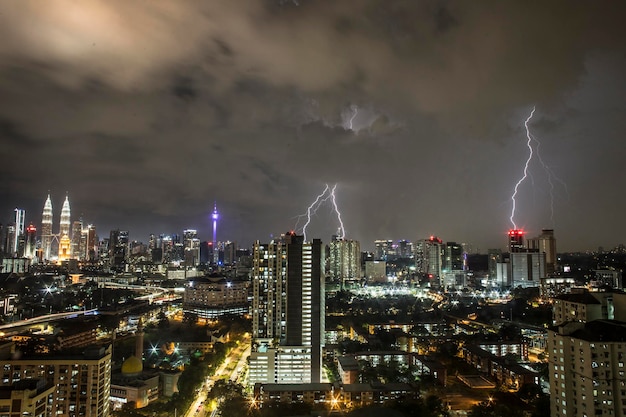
{"x":214,"y":296}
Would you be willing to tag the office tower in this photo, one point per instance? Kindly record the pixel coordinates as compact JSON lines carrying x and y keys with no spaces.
{"x":453,"y":258}
{"x":77,"y":233}
{"x":30,"y":246}
{"x":81,"y":381}
{"x":214,"y":216}
{"x":152,"y":241}
{"x":288,"y":311}
{"x":64,"y":224}
{"x":230,"y":250}
{"x":19,"y":229}
{"x":453,"y":272}
{"x":46,"y":229}
{"x":428,"y":258}
{"x":344,"y":260}
{"x":494,"y":257}
{"x":587,"y":369}
{"x":404,"y":249}
{"x":191,"y":245}
{"x":9,"y":240}
{"x":118,"y":248}
{"x":546,"y":243}
{"x":516,"y":241}
{"x":91,"y":242}
{"x":526,"y":269}
{"x":383,"y":249}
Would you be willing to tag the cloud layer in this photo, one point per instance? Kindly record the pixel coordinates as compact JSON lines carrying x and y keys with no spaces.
{"x":146,"y":113}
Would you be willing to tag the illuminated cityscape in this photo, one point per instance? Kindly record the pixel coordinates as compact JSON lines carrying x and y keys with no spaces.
{"x":420,"y":209}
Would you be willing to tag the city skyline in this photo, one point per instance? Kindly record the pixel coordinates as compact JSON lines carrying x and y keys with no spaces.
{"x":416,"y":111}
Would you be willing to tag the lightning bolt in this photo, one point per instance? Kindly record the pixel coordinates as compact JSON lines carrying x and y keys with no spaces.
{"x":530,"y":157}
{"x":312,"y":209}
{"x":327,"y":194}
{"x":341,"y":229}
{"x":355,"y":111}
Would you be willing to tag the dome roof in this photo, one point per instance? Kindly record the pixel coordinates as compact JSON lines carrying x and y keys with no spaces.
{"x":132,"y":365}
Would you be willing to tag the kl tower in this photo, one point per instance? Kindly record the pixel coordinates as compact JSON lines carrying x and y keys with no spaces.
{"x":215,"y":215}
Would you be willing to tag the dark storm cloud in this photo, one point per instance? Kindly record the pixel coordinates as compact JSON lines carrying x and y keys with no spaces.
{"x":165,"y":107}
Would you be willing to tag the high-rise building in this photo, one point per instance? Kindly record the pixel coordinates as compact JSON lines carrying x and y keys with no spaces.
{"x":118,"y":248}
{"x":494,"y":258}
{"x":64,"y":223}
{"x":77,"y":234}
{"x":453,"y":257}
{"x":19,"y":229}
{"x":214,"y":216}
{"x":46,"y":229}
{"x":344,"y":260}
{"x":91,"y":242}
{"x":81,"y":381}
{"x":30,"y":246}
{"x":516,"y":241}
{"x":383,"y":249}
{"x":404,"y":249}
{"x":587,"y":369}
{"x":65,"y":248}
{"x":288,"y":311}
{"x":191,"y":245}
{"x":9,"y":240}
{"x":546,"y":243}
{"x":526,"y":269}
{"x":428,"y":258}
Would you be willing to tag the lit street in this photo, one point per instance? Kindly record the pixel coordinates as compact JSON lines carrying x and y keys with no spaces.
{"x":231,"y":369}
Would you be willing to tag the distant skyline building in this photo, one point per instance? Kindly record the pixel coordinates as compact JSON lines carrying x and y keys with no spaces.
{"x":30,"y":245}
{"x":77,"y":234}
{"x":64,"y":223}
{"x":383,"y":248}
{"x":215,"y":216}
{"x":46,"y":229}
{"x":19,"y":230}
{"x":516,"y":241}
{"x":191,"y":245}
{"x":546,"y":243}
{"x":344,"y":260}
{"x":91,"y":242}
{"x":118,"y":248}
{"x":288,"y":311}
{"x":428,"y":258}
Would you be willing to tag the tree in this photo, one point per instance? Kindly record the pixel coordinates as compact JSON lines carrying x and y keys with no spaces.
{"x":190,"y":318}
{"x":163,"y":320}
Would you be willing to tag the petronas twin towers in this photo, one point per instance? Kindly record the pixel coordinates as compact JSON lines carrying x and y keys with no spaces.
{"x":48,"y":238}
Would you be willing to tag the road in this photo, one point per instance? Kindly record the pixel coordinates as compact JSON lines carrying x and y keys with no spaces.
{"x":237,"y":356}
{"x":47,"y":317}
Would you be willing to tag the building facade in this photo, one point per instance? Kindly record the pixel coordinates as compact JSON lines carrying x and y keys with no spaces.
{"x":46,"y":229}
{"x":344,"y":263}
{"x":81,"y":381}
{"x":214,"y":296}
{"x":288,"y":311}
{"x":587,"y":369}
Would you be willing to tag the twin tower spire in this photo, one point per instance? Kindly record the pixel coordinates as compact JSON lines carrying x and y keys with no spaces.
{"x":47,"y":236}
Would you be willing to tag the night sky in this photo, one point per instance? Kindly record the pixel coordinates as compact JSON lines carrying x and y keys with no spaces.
{"x":146,"y":113}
